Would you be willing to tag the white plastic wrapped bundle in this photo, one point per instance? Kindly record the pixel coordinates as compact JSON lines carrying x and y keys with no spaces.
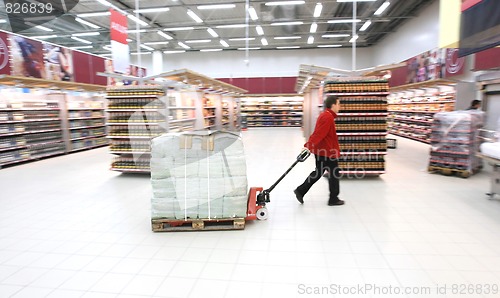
{"x":198,"y":175}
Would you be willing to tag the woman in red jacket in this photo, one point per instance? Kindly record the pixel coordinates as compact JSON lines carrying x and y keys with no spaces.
{"x":324,"y":144}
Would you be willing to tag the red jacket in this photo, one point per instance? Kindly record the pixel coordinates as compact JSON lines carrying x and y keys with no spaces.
{"x":324,"y":140}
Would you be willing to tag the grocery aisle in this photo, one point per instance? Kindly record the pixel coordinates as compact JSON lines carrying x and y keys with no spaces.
{"x":69,"y":227}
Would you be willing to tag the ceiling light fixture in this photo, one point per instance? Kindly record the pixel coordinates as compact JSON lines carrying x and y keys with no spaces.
{"x":356,"y":0}
{"x":129,"y":40}
{"x":81,"y":40}
{"x":317,"y":10}
{"x":104,"y":2}
{"x":152,"y":10}
{"x":93,"y":14}
{"x":264,"y":41}
{"x":286,"y":23}
{"x":198,"y":41}
{"x":147,"y":47}
{"x":183,"y":45}
{"x":365,"y":25}
{"x":44,"y":28}
{"x":178,"y":29}
{"x":107,"y":47}
{"x":140,"y":53}
{"x":275,"y":3}
{"x":244,"y":49}
{"x":334,"y":35}
{"x":137,"y":20}
{"x":329,"y":46}
{"x":81,"y":47}
{"x":344,"y":21}
{"x":44,"y":36}
{"x":314,"y":27}
{"x":155,"y":43}
{"x":382,"y":8}
{"x":287,"y":48}
{"x":242,"y":39}
{"x":287,"y":37}
{"x":194,"y":16}
{"x":173,"y":52}
{"x":259,"y":30}
{"x":224,"y":43}
{"x":211,"y":50}
{"x":82,"y":21}
{"x":136,"y":31}
{"x":212,"y":32}
{"x":232,"y":26}
{"x":253,"y":13}
{"x":86,"y":34}
{"x":310,"y":40}
{"x":163,"y":34}
{"x":354,"y":38}
{"x":217,"y":6}
{"x":2,"y":21}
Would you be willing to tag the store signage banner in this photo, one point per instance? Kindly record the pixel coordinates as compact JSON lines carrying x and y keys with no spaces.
{"x":27,"y":57}
{"x":58,"y":63}
{"x":4,"y":54}
{"x":454,"y":63}
{"x":119,"y":45}
{"x":488,"y":59}
{"x":434,"y":64}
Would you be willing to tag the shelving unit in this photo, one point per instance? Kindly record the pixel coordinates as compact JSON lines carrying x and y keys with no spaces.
{"x":209,"y":112}
{"x":226,"y":114}
{"x":412,"y":107}
{"x":30,"y":128}
{"x":181,"y":110}
{"x":361,"y":123}
{"x":272,"y":111}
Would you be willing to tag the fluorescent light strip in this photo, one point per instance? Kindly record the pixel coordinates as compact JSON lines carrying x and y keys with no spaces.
{"x":183,"y":45}
{"x":81,"y":47}
{"x":231,"y":26}
{"x":287,"y":37}
{"x":314,"y":27}
{"x":82,"y":21}
{"x":286,"y":23}
{"x":334,"y":35}
{"x":244,"y":49}
{"x":93,"y":14}
{"x":163,"y":34}
{"x":275,"y":3}
{"x":136,"y":31}
{"x":152,"y":10}
{"x":343,"y":21}
{"x":137,"y":20}
{"x":141,"y":53}
{"x":253,"y":13}
{"x":212,"y":32}
{"x":259,"y":30}
{"x":330,"y":46}
{"x":211,"y":50}
{"x":310,"y":40}
{"x":44,"y":36}
{"x":179,"y":29}
{"x":81,"y":40}
{"x":355,"y":37}
{"x":86,"y":34}
{"x":194,"y":16}
{"x":217,"y":6}
{"x":317,"y":10}
{"x":286,"y":48}
{"x":224,"y":43}
{"x":356,"y":0}
{"x":2,"y":21}
{"x":365,"y":25}
{"x":44,"y":28}
{"x":155,"y":43}
{"x":173,"y":52}
{"x":264,"y":41}
{"x":104,"y":2}
{"x":107,"y":47}
{"x":147,"y":47}
{"x":242,"y":39}
{"x":382,"y":8}
{"x":198,"y":41}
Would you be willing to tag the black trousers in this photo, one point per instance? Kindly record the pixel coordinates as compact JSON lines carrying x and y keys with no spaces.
{"x":332,"y":166}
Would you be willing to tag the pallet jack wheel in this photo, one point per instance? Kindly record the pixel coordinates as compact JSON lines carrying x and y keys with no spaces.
{"x":465,"y":174}
{"x":262,"y":213}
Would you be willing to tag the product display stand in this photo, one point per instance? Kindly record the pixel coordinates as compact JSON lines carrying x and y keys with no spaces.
{"x":273,"y":111}
{"x":361,"y":123}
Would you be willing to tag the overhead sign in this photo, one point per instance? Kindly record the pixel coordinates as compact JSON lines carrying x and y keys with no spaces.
{"x":119,"y":45}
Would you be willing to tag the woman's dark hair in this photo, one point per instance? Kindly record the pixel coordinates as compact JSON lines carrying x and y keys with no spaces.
{"x":330,"y":100}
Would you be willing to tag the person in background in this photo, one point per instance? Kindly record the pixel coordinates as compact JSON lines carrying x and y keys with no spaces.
{"x":474,"y":105}
{"x":324,"y":144}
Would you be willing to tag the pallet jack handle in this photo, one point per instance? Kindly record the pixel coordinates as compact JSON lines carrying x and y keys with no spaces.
{"x":263,"y":197}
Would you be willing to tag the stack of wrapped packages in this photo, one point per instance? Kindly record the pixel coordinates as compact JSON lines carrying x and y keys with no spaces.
{"x":454,"y":140}
{"x":492,"y":148}
{"x":198,"y":175}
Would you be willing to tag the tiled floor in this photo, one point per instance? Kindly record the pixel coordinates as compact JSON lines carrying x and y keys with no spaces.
{"x":69,"y":227}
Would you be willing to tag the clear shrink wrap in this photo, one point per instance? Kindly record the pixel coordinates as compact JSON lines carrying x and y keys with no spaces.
{"x":455,"y":140}
{"x":198,"y":175}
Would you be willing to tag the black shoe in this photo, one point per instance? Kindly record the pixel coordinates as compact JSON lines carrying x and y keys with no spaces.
{"x":336,"y":203}
{"x":299,"y":196}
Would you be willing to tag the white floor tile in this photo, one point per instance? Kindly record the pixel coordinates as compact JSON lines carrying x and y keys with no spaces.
{"x":112,"y":283}
{"x":82,"y":281}
{"x":32,"y":292}
{"x":209,"y":288}
{"x":129,"y":265}
{"x":58,"y":293}
{"x":24,"y":276}
{"x":9,"y":290}
{"x":187,"y":269}
{"x":53,"y":278}
{"x":143,"y":285}
{"x":175,"y":287}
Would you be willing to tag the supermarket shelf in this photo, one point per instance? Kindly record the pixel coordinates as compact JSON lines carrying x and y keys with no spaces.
{"x":270,"y":110}
{"x":28,"y":132}
{"x":422,"y":102}
{"x":431,"y":83}
{"x":135,"y":123}
{"x":421,"y":112}
{"x":358,"y":93}
{"x":273,"y":120}
{"x":27,"y":121}
{"x":41,"y":83}
{"x":362,"y":114}
{"x":89,"y":147}
{"x":273,"y":115}
{"x":182,"y":120}
{"x":412,"y":129}
{"x":134,"y":110}
{"x":44,"y":143}
{"x":182,"y":108}
{"x":209,"y":107}
{"x":269,"y":104}
{"x":436,"y":141}
{"x":413,"y":120}
{"x":32,"y":158}
{"x":450,"y":152}
{"x":84,"y":127}
{"x":28,"y":109}
{"x":132,"y":137}
{"x":13,"y":148}
{"x":362,"y":133}
{"x":85,"y":109}
{"x":410,"y":137}
{"x":131,"y":170}
{"x":84,"y":118}
{"x":134,"y":96}
{"x":209,"y":117}
{"x":88,"y":137}
{"x":128,"y":152}
{"x":293,"y":125}
{"x":364,"y":153}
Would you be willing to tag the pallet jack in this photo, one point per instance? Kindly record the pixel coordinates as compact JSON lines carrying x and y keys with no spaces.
{"x":258,"y":197}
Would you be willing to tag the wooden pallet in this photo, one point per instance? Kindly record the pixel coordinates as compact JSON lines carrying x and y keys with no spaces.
{"x":450,"y":172}
{"x":178,"y":225}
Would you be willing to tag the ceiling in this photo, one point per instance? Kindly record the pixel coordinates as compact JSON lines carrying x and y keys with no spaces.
{"x":198,"y":38}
